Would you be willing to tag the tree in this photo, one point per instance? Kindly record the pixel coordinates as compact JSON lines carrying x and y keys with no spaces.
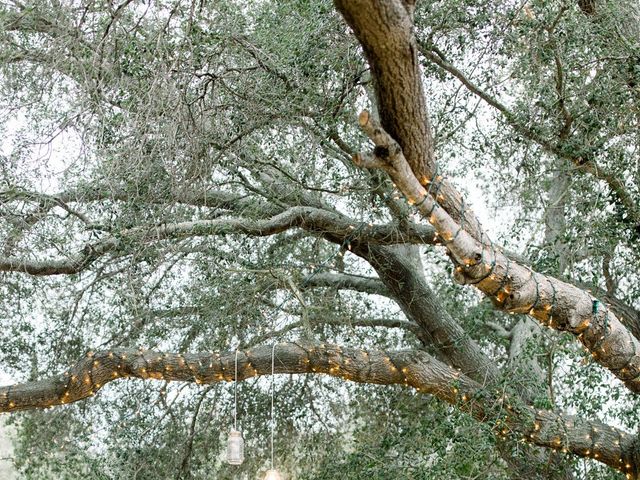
{"x":182,"y":180}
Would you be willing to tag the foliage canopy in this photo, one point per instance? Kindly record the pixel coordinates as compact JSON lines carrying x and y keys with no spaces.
{"x":178,"y":177}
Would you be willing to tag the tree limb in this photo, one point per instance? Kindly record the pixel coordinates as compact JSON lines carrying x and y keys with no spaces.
{"x":308,"y":218}
{"x":416,"y":369}
{"x":558,"y":149}
{"x":407,"y":325}
{"x":346,"y":281}
{"x":421,"y":305}
{"x":513,"y":287}
{"x":385,"y":31}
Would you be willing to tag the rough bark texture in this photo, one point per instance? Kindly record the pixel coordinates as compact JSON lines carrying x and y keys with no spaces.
{"x":513,"y":287}
{"x":420,"y":304}
{"x":509,"y":416}
{"x":462,"y":375}
{"x":385,"y":31}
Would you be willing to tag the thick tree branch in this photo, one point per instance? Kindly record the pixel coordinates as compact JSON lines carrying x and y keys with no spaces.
{"x":513,"y":287}
{"x":421,"y":305}
{"x":216,"y":199}
{"x":416,"y":369}
{"x":385,"y":31}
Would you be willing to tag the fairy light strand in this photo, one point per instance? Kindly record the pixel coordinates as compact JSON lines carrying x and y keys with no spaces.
{"x":537,"y":299}
{"x":504,"y":280}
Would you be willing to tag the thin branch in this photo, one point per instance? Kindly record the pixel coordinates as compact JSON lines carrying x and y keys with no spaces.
{"x":346,"y":281}
{"x":100,"y":192}
{"x":578,"y":158}
{"x":498,"y":329}
{"x":308,"y":218}
{"x":409,"y":326}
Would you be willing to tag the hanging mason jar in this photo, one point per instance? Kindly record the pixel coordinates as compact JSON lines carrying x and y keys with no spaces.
{"x":235,"y":448}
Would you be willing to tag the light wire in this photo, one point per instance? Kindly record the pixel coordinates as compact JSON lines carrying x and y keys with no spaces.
{"x":273,"y":357}
{"x":235,"y":396}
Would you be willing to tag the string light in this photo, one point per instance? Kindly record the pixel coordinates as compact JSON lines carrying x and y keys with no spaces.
{"x":273,"y":475}
{"x":541,"y":308}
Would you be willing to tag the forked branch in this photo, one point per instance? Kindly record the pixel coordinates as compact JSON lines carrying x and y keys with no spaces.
{"x":512,"y":287}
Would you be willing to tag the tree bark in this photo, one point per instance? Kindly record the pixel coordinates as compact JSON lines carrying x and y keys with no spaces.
{"x":416,"y":369}
{"x":385,"y":31}
{"x":511,"y":286}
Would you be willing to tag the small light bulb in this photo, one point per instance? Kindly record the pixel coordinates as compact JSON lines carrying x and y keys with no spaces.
{"x":273,"y":474}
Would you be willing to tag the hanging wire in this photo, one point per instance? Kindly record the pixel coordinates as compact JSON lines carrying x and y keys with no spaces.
{"x":537,"y":300}
{"x":235,"y":396}
{"x":504,"y":280}
{"x":273,"y":356}
{"x":462,"y":224}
